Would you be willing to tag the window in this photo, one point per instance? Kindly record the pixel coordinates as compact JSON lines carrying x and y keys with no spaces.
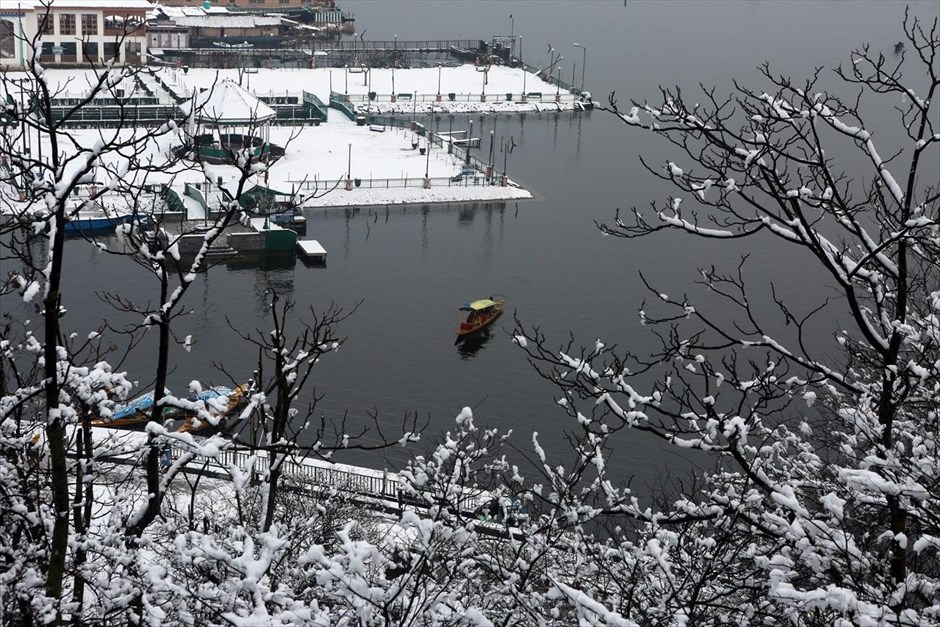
{"x":67,"y":24}
{"x":45,"y":24}
{"x":89,"y":24}
{"x":112,"y":51}
{"x":132,"y":51}
{"x":114,"y":24}
{"x":47,"y":54}
{"x":90,"y":51}
{"x":69,"y":52}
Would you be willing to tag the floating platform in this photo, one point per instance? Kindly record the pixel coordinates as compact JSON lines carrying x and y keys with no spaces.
{"x":312,"y":250}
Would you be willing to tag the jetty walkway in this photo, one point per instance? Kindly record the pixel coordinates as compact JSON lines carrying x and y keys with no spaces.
{"x":376,"y":489}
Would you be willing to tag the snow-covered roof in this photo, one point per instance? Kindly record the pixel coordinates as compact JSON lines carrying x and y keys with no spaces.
{"x":40,"y":5}
{"x":174,"y":13}
{"x":227,"y":21}
{"x":229,"y":103}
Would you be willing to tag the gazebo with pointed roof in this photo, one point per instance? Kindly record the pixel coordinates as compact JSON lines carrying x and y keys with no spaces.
{"x":226,"y":117}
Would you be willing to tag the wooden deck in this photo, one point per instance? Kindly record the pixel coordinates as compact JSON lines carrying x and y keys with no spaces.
{"x":312,"y":250}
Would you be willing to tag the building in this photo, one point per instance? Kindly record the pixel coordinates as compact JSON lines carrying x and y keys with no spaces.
{"x":74,"y":31}
{"x":172,"y":28}
{"x":256,"y":5}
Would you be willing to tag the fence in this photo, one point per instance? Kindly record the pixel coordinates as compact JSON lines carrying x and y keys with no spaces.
{"x":363,"y":481}
{"x":342,"y":103}
{"x":316,"y":104}
{"x":405,"y":99}
{"x":439,"y":138}
{"x":426,"y":45}
{"x":115,"y":115}
{"x":549,"y":78}
{"x":475,"y":179}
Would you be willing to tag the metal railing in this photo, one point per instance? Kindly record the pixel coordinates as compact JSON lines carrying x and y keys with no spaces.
{"x":438,"y":138}
{"x":342,"y":103}
{"x":403,"y":45}
{"x":364,"y":481}
{"x":405,"y":99}
{"x":474,"y":179}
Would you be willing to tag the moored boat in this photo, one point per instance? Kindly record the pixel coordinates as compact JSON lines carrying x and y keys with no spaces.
{"x":136,"y":413}
{"x":95,"y":221}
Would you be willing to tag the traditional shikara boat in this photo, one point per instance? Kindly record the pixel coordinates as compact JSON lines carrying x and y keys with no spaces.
{"x":482,"y":313}
{"x":136,"y":413}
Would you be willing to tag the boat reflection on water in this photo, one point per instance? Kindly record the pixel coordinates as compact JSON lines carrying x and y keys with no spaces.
{"x":469,"y":345}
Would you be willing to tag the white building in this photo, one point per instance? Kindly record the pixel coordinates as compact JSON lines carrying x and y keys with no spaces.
{"x":73,"y":31}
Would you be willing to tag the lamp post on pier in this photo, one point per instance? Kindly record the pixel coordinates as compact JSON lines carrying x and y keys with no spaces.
{"x":524,"y":71}
{"x":427,"y":162}
{"x":490,"y":165}
{"x":469,"y":142}
{"x":349,"y":170}
{"x":450,"y":135}
{"x":583,"y":62}
{"x":347,"y":80}
{"x":507,"y":147}
{"x":439,"y":66}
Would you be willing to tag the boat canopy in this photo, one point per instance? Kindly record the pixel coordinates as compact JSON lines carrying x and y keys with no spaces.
{"x":479,"y":305}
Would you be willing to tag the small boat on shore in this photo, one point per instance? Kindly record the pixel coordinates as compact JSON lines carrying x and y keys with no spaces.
{"x":95,"y":221}
{"x":135,"y":414}
{"x":482,"y":313}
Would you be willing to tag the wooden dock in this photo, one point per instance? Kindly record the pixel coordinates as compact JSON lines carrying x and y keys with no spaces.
{"x":311,"y":250}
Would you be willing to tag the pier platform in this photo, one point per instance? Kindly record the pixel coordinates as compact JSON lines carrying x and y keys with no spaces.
{"x":311,"y":250}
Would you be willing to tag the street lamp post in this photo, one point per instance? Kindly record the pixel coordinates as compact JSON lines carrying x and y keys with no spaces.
{"x":469,"y":141}
{"x":349,"y":169}
{"x":507,"y":147}
{"x":490,"y":166}
{"x":583,"y":62}
{"x":524,"y":70}
{"x":347,"y":80}
{"x":427,"y":161}
{"x":439,"y":66}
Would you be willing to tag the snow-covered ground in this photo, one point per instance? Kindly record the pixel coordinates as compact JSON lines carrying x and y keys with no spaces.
{"x":390,"y":169}
{"x":466,"y":82}
{"x":319,"y":156}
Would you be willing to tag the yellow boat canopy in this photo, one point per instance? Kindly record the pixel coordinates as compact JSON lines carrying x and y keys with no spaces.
{"x":479,"y":305}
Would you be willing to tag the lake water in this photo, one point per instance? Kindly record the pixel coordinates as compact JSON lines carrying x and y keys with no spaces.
{"x":412,"y":267}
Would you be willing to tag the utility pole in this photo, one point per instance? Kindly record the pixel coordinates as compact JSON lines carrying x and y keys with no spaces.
{"x":469,"y":142}
{"x":583,"y":62}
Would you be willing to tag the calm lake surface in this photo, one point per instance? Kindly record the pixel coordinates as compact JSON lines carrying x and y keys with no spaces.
{"x":412,"y":267}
